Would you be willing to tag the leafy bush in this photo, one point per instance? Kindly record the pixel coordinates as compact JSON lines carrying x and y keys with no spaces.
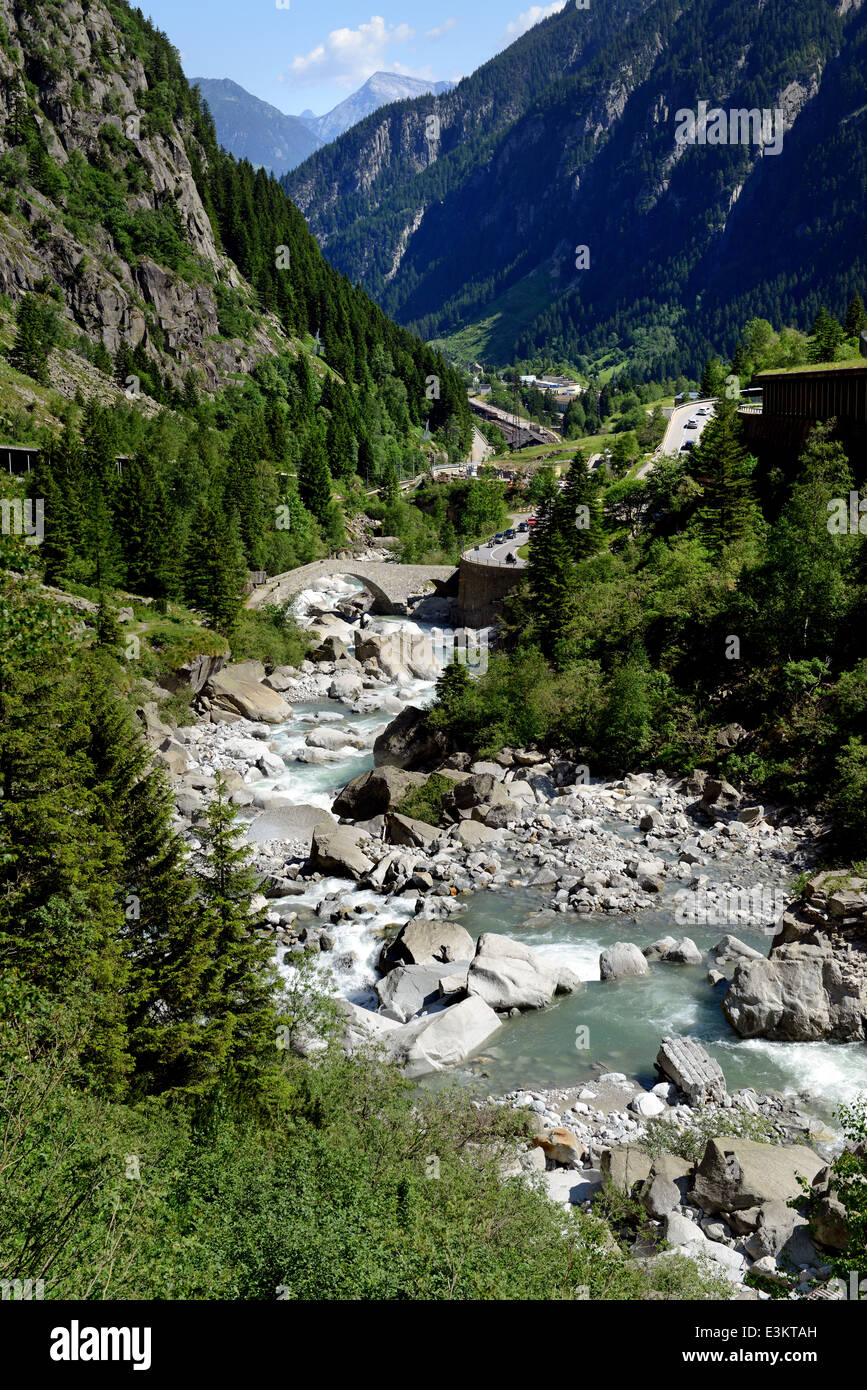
{"x":426,"y":803}
{"x":269,"y":635}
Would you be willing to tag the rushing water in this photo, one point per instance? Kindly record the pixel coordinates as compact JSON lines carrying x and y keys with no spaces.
{"x":614,"y":1026}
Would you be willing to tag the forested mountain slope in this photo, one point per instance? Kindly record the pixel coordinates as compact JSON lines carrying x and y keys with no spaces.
{"x":115,"y":191}
{"x":568,"y":139}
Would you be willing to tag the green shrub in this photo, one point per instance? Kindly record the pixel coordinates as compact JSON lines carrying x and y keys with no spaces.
{"x":426,"y":803}
{"x":270,"y":635}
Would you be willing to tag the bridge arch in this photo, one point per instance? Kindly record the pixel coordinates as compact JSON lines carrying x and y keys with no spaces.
{"x":392,"y":586}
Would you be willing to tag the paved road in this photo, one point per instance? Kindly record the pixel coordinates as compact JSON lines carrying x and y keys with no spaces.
{"x":676,"y":433}
{"x":496,"y":554}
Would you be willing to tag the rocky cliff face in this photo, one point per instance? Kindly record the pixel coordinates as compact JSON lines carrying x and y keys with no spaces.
{"x":96,"y":115}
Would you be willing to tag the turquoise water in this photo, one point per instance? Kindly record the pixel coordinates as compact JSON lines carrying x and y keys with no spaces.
{"x":623,"y":1020}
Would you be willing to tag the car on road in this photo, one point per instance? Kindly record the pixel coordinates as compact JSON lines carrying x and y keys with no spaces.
{"x":510,"y":534}
{"x":522,"y":526}
{"x":702,"y":411}
{"x":687,"y":445}
{"x":499,"y":537}
{"x":692,"y":424}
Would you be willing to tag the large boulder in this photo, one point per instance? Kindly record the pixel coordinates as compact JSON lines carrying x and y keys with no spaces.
{"x":282,"y":819}
{"x":784,"y":1234}
{"x":408,"y":989}
{"x":472,"y":834}
{"x":194,"y":674}
{"x":480,"y":789}
{"x":693,"y":1071}
{"x":622,"y":960}
{"x":509,"y":975}
{"x":443,"y":1039}
{"x":737,"y":1173}
{"x":428,"y":941}
{"x":409,"y":742}
{"x":562,"y":1146}
{"x":405,"y":830}
{"x":334,"y":849}
{"x":375,"y":792}
{"x":625,"y":1166}
{"x":801,"y":993}
{"x":238,"y":690}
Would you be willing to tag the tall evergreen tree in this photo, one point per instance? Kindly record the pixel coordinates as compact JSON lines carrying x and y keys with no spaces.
{"x":855,"y":321}
{"x":721,"y":466}
{"x":314,"y":476}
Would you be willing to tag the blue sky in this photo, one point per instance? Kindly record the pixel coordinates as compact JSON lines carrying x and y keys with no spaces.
{"x":313,"y":54}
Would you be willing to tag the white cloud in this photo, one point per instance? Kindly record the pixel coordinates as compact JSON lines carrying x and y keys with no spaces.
{"x":349,"y":56}
{"x":443,"y":28}
{"x":516,"y":27}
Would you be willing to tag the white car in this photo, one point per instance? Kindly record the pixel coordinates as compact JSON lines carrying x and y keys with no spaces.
{"x":692,"y":424}
{"x":702,"y":411}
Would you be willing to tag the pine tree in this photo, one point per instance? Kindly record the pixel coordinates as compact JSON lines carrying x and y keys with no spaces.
{"x":551,"y":574}
{"x":722,"y":467}
{"x":713,"y":378}
{"x":314,"y":476}
{"x":827,"y":336}
{"x":60,"y":921}
{"x":214,"y":571}
{"x":236,"y":993}
{"x":30,"y":351}
{"x":579,"y":509}
{"x":855,"y":322}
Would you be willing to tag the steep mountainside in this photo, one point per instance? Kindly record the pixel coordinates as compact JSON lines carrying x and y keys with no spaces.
{"x":568,"y":139}
{"x":116,"y":198}
{"x":253,"y":129}
{"x":380,"y":89}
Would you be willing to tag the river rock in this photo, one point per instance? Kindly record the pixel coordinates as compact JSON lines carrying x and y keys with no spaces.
{"x":783,"y":1233}
{"x":335,"y":850}
{"x":801,"y":993}
{"x":473,"y":834}
{"x":659,"y":1196}
{"x":333,"y":739}
{"x":683,"y":1234}
{"x":375,"y":792}
{"x":407,"y":989}
{"x":647,"y":1105}
{"x":736,"y":1173}
{"x":480,"y":789}
{"x":624,"y":1166}
{"x":428,"y":941}
{"x":720,"y":795}
{"x":510,"y":975}
{"x":409,"y":742}
{"x":731,"y":948}
{"x":237,"y":689}
{"x":446,"y":1038}
{"x":562,"y":1146}
{"x":406,"y":830}
{"x":686,"y":1063}
{"x":684,"y":952}
{"x":330,"y":649}
{"x":282,"y":819}
{"x":172,"y":755}
{"x":621,"y":961}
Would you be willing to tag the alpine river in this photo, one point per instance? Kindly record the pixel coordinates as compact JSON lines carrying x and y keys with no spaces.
{"x":612,"y":1027}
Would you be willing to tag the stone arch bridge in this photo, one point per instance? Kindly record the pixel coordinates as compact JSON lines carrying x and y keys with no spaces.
{"x":392,"y":586}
